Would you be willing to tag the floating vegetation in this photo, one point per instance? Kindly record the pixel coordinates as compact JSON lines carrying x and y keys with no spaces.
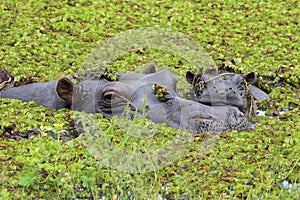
{"x":43,"y":41}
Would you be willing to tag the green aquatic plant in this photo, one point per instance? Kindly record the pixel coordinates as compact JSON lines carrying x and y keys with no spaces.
{"x":46,"y":40}
{"x":160,"y":92}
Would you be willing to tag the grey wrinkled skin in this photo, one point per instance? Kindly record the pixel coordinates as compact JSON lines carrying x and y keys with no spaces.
{"x":43,"y":94}
{"x":226,"y":89}
{"x":133,"y":95}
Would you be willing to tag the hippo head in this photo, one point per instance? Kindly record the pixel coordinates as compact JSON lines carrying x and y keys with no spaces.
{"x":114,"y":97}
{"x":223,"y":89}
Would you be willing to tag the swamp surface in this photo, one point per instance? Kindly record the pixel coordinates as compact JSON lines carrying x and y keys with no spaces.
{"x":46,"y":40}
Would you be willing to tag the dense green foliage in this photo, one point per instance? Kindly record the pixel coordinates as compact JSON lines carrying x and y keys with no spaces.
{"x":46,"y":40}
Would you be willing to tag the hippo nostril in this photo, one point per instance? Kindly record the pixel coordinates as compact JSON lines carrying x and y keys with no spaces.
{"x":131,"y":115}
{"x":202,"y":116}
{"x":146,"y":107}
{"x":169,"y":103}
{"x":132,"y":108}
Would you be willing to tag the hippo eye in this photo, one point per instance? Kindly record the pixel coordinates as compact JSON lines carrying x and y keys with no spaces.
{"x":199,"y":88}
{"x":241,"y":86}
{"x":201,"y":85}
{"x":169,"y":103}
{"x":109,"y":96}
{"x":198,"y":91}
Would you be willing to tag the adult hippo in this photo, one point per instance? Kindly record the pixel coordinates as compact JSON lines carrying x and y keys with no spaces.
{"x":226,"y":89}
{"x":151,"y":94}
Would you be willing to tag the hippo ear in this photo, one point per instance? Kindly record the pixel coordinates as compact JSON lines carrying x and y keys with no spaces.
{"x":150,"y":69}
{"x":189,"y":76}
{"x":250,"y":77}
{"x":258,"y":94}
{"x":64,"y":89}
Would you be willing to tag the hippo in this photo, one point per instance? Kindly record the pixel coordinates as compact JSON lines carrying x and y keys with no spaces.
{"x":226,"y":89}
{"x":46,"y":93}
{"x":43,"y":94}
{"x":150,"y":94}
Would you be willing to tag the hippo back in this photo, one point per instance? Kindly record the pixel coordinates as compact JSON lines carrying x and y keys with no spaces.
{"x":43,"y":94}
{"x":163,"y":77}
